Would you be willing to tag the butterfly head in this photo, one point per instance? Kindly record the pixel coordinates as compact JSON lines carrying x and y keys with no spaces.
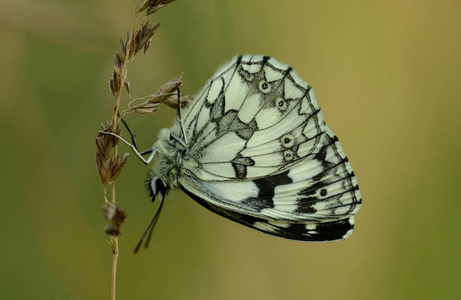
{"x":155,"y":185}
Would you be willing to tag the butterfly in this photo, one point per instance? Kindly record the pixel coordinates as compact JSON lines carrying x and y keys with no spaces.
{"x":253,"y":147}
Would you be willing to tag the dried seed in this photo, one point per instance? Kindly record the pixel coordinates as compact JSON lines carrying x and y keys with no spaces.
{"x":122,"y":50}
{"x":127,"y":86}
{"x":102,"y":169}
{"x":117,"y":63}
{"x":117,"y":166}
{"x":115,"y":217}
{"x":153,"y":9}
{"x":142,"y":36}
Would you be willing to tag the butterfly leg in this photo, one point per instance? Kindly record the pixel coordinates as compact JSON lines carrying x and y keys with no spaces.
{"x":134,"y":146}
{"x":151,"y":150}
{"x":133,"y":136}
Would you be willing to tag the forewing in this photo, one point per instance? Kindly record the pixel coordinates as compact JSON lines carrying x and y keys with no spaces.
{"x":253,"y":118}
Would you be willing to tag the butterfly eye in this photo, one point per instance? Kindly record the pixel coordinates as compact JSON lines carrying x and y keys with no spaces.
{"x":155,"y":185}
{"x":287,"y":141}
{"x":264,"y":87}
{"x":288,"y":155}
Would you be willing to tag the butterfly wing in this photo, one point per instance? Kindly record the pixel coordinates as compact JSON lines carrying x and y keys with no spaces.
{"x":301,"y":231}
{"x":267,"y":159}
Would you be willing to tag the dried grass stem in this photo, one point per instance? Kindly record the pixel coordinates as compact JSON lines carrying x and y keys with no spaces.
{"x":109,"y":163}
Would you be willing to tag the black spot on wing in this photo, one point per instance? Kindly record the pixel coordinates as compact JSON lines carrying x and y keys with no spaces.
{"x":322,"y":232}
{"x":241,"y":160}
{"x":217,"y":107}
{"x":243,"y":130}
{"x":239,"y":60}
{"x":312,"y":189}
{"x":309,"y":197}
{"x":333,"y":230}
{"x":240,"y":170}
{"x":240,"y":164}
{"x":229,"y":121}
{"x":306,"y":205}
{"x":322,"y":154}
{"x":225,"y":122}
{"x":266,"y":187}
{"x":258,"y":203}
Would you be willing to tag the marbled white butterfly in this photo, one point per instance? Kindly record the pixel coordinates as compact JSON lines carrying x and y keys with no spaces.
{"x":253,"y":147}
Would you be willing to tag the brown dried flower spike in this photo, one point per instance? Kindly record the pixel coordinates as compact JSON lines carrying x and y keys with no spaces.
{"x":108,"y":168}
{"x":153,"y":5}
{"x":167,"y":92}
{"x":142,"y":38}
{"x":109,"y":163}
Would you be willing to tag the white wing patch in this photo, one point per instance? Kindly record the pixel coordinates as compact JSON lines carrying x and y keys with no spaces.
{"x":263,"y":155}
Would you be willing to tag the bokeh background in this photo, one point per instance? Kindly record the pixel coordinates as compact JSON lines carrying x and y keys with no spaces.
{"x":386,"y":74}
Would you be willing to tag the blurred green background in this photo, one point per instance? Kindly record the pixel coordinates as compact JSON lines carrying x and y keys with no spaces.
{"x":386,"y":74}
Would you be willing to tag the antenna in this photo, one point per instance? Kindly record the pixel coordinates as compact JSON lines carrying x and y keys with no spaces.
{"x":150,"y":228}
